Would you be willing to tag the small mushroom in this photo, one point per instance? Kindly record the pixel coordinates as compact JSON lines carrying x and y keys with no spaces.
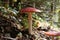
{"x":29,"y":11}
{"x":53,"y":34}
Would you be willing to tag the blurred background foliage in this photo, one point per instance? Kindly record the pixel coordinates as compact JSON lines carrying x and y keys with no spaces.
{"x":50,"y":11}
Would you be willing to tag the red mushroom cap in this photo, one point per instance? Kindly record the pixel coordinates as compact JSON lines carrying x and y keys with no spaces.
{"x":51,"y":33}
{"x":58,"y":33}
{"x":29,"y":9}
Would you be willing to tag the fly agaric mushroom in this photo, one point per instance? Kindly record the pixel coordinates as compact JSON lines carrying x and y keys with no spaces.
{"x":29,"y":11}
{"x":52,"y":34}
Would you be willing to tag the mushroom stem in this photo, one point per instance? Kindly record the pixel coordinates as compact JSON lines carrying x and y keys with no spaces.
{"x":30,"y":23}
{"x":52,"y":37}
